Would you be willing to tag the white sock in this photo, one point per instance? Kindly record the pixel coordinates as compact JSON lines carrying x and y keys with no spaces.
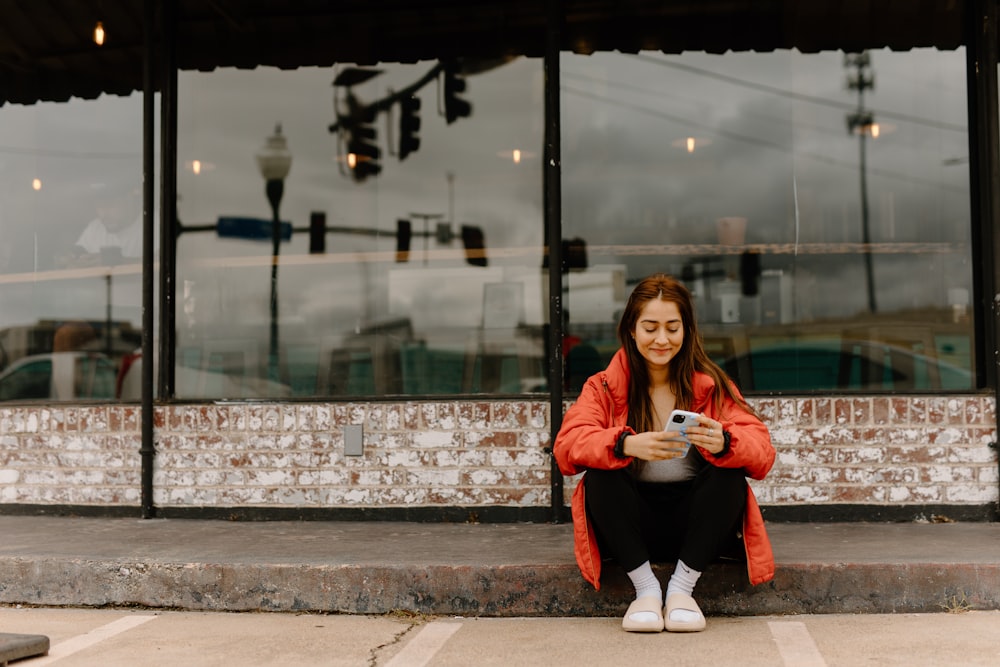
{"x":645,"y":582}
{"x":646,"y":585}
{"x":683,"y":580}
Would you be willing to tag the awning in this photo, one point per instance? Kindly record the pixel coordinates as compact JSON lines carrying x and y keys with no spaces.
{"x":47,"y":50}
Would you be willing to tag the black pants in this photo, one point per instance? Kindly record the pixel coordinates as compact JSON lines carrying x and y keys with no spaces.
{"x":696,"y":521}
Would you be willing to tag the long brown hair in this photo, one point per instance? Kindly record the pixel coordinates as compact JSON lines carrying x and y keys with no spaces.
{"x":690,"y":358}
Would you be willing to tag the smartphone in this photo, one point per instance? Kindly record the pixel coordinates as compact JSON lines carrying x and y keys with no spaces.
{"x":681,"y":419}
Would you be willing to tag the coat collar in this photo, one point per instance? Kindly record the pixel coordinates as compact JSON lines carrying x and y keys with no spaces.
{"x":617,"y":374}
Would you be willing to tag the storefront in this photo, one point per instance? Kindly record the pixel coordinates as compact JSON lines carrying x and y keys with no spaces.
{"x":372,"y":249}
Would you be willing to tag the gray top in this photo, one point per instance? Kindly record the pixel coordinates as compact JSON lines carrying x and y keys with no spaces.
{"x":679,"y":469}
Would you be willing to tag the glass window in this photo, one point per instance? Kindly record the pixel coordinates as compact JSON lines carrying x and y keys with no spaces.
{"x":427,"y":278}
{"x":70,"y":247}
{"x":817,"y":205}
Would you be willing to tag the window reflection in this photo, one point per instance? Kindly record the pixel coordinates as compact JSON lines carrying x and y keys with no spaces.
{"x":70,"y":248}
{"x":820,"y":220}
{"x":822,"y":224}
{"x":412,"y":267}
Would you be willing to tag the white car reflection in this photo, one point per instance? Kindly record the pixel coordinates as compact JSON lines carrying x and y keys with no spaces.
{"x":202,"y":383}
{"x":59,"y":376}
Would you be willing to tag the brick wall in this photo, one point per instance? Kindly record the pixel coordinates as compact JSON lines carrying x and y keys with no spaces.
{"x":881,"y":450}
{"x":862,"y":450}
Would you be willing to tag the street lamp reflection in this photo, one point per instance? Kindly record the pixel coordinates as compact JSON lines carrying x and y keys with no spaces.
{"x":274,"y":161}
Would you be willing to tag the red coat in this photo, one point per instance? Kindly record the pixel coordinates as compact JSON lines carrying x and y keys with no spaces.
{"x":587,"y":440}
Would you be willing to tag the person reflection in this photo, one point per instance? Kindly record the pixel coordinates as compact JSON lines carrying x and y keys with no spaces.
{"x":115,"y":233}
{"x":70,"y":338}
{"x":581,"y":358}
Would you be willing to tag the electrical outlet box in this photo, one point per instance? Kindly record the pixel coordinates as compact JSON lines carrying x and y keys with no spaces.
{"x":354,"y":440}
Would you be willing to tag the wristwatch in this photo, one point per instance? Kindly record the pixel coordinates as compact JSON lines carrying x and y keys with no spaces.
{"x":620,"y":445}
{"x":725,"y":447}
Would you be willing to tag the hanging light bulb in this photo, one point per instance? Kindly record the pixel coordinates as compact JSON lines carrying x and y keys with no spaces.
{"x":99,"y":34}
{"x":36,"y":184}
{"x":690,"y":144}
{"x":517,"y":156}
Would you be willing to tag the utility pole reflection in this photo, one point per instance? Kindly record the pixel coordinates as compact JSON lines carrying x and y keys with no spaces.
{"x":862,"y":123}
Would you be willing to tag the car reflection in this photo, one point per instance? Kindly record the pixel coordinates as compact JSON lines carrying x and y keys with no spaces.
{"x":59,"y":376}
{"x":838,"y":364}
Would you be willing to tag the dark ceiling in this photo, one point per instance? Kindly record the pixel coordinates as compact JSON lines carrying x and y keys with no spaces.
{"x":47,"y":52}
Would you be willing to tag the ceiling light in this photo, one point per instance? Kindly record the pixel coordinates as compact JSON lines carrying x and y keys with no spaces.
{"x":99,"y":34}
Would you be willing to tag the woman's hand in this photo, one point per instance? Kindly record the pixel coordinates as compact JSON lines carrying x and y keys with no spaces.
{"x":654,"y":445}
{"x":708,"y":435}
{"x":659,"y":445}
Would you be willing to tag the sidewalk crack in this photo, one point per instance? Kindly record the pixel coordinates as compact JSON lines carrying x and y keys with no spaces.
{"x":412,"y":620}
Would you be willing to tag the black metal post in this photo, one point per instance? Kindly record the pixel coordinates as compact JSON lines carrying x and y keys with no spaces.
{"x":169,"y":225}
{"x":982,"y":55}
{"x":984,"y":185}
{"x":552,"y":180}
{"x":275,"y":189}
{"x":147,"y":449}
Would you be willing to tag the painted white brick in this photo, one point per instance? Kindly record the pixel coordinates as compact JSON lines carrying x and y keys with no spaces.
{"x":472,"y":459}
{"x":356,"y":497}
{"x":899,"y":494}
{"x":435,"y":439}
{"x":948,"y":474}
{"x":500,"y":457}
{"x":447,"y":458}
{"x":404,"y":458}
{"x":973,"y":453}
{"x":485,"y":477}
{"x":449,"y":478}
{"x":270,"y":478}
{"x":531,"y":458}
{"x":820,"y":475}
{"x":970,"y":493}
{"x":785,"y":436}
{"x":952,"y":435}
{"x":926,"y":494}
{"x":799,"y":494}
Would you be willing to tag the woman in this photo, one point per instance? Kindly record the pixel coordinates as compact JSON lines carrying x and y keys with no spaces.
{"x":646,"y":495}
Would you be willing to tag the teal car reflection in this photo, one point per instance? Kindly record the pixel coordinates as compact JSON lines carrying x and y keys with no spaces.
{"x":831,"y":365}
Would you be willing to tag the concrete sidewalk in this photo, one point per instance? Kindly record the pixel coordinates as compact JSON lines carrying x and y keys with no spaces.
{"x":471,"y":569}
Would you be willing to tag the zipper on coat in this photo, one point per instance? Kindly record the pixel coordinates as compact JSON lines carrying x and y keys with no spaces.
{"x":611,"y":403}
